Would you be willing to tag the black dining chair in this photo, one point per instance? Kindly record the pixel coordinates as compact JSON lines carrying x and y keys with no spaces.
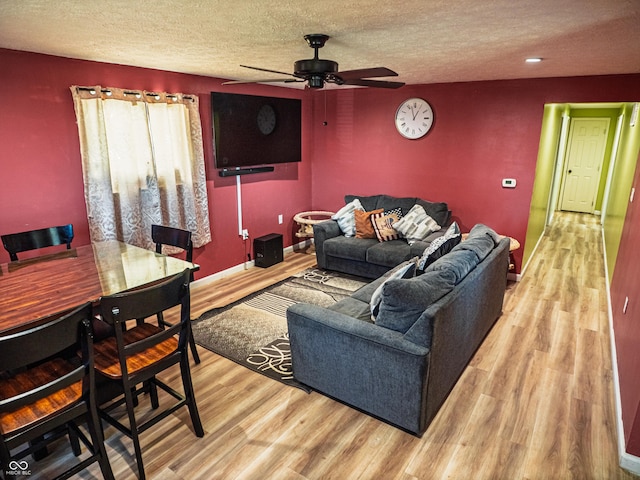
{"x":15,"y":243}
{"x":133,"y":357}
{"x":47,"y":387}
{"x":175,"y":237}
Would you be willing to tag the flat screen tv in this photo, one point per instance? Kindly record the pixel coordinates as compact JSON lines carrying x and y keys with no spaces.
{"x":252,"y":130}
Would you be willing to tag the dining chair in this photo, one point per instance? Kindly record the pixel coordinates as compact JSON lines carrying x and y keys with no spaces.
{"x":175,"y":237}
{"x":134,"y":357}
{"x":47,"y":387}
{"x":15,"y":243}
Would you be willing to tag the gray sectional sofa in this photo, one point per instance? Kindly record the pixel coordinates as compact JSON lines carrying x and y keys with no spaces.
{"x":402,"y":367}
{"x":368,"y":257}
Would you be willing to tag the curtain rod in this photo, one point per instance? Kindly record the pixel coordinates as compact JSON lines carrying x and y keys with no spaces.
{"x":173,"y":96}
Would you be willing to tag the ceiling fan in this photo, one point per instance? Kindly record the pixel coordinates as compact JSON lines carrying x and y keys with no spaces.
{"x":316,"y":71}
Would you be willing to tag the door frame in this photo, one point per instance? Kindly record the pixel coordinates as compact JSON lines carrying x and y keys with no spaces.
{"x":565,"y":161}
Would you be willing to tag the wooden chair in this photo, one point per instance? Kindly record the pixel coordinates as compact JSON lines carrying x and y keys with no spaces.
{"x":47,"y":386}
{"x":175,"y":237}
{"x":15,"y":243}
{"x":135,"y":356}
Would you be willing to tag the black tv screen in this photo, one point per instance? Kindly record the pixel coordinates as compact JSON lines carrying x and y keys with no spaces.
{"x":251,"y":130}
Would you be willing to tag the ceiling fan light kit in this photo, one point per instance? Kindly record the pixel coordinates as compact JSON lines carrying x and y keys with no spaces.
{"x":316,"y":71}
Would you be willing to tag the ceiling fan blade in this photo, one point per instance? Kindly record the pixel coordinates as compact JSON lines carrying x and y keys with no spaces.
{"x":268,"y":70}
{"x":267,"y":80}
{"x":372,"y":83}
{"x":366,"y":73}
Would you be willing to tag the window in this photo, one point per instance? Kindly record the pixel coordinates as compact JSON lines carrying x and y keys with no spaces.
{"x":143,"y":163}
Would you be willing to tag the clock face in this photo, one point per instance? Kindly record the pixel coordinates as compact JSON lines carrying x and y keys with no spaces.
{"x":414,"y":118}
{"x":266,"y":119}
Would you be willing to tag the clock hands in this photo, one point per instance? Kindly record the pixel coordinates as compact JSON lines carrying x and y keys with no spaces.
{"x":414,"y":113}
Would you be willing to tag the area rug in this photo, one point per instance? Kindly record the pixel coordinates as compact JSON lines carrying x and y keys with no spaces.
{"x":253,"y":331}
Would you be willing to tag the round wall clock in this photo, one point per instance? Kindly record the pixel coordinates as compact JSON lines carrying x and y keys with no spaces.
{"x":414,"y":118}
{"x":266,"y":119}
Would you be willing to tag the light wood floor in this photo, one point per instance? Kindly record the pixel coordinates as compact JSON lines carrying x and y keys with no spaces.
{"x":536,"y":402}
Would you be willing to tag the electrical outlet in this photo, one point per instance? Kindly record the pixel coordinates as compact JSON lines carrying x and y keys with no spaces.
{"x":245,"y":234}
{"x":280,"y":219}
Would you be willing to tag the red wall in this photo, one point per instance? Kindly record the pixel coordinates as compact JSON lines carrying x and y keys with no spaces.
{"x":626,"y":283}
{"x":41,"y":179}
{"x":483,"y":132}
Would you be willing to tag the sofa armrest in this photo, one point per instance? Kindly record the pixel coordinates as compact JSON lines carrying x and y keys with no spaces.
{"x":460,"y":322}
{"x":367,"y":366}
{"x":323,"y":231}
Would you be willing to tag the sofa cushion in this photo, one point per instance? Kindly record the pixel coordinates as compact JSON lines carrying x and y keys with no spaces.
{"x":354,"y":308}
{"x":404,"y":270}
{"x":460,"y":262}
{"x":439,"y":211}
{"x":388,"y":254}
{"x":364,"y":293}
{"x":481,"y":240}
{"x":416,"y":225}
{"x":403,"y":301}
{"x":440,"y":246}
{"x":383,"y":224}
{"x":364,"y":227}
{"x":386,"y":202}
{"x":346,"y":218}
{"x":350,"y":248}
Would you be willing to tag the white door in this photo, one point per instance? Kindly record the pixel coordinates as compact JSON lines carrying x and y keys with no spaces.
{"x":585,"y":154}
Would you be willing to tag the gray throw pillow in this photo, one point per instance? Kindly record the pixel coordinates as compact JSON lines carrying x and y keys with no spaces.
{"x":403,"y":301}
{"x":404,"y":270}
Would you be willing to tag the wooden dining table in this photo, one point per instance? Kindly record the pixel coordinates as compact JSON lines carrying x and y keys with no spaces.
{"x":33,"y":290}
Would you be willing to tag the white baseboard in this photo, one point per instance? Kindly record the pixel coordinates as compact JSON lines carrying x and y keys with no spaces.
{"x":244,"y":266}
{"x":533,"y":252}
{"x":515,"y":277}
{"x":626,"y":460}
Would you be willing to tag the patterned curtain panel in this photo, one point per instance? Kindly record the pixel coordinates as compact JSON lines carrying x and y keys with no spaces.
{"x":143,"y":163}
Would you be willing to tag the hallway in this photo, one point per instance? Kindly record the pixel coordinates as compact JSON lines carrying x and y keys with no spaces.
{"x":548,"y":361}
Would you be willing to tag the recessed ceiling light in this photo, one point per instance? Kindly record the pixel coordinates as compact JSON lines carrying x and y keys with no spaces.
{"x":533,"y":60}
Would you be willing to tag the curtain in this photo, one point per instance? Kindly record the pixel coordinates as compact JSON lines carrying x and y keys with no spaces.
{"x":142,"y":162}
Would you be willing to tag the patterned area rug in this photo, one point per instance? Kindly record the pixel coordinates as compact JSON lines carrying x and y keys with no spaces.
{"x":253,"y":331}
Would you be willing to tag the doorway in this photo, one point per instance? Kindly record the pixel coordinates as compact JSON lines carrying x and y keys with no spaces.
{"x":551,"y":167}
{"x":583,"y":164}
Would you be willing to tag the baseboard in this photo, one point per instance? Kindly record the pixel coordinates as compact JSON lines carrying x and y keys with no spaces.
{"x":245,"y":266}
{"x":626,"y":460}
{"x":514,"y":277}
{"x":533,"y":252}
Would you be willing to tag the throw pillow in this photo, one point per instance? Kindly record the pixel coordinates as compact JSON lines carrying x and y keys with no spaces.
{"x":346,"y":218}
{"x":440,"y":246}
{"x":416,"y":225}
{"x":383,"y":224}
{"x":403,"y":301}
{"x":404,"y":270}
{"x":364,"y":227}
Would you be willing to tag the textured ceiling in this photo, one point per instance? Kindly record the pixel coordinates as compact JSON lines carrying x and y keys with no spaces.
{"x":425,"y":41}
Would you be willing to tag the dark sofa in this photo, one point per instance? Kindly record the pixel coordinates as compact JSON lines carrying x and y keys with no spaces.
{"x":402,"y":369}
{"x":368,"y":257}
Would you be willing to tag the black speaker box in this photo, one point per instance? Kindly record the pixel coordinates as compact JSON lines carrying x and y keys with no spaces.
{"x":268,"y":250}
